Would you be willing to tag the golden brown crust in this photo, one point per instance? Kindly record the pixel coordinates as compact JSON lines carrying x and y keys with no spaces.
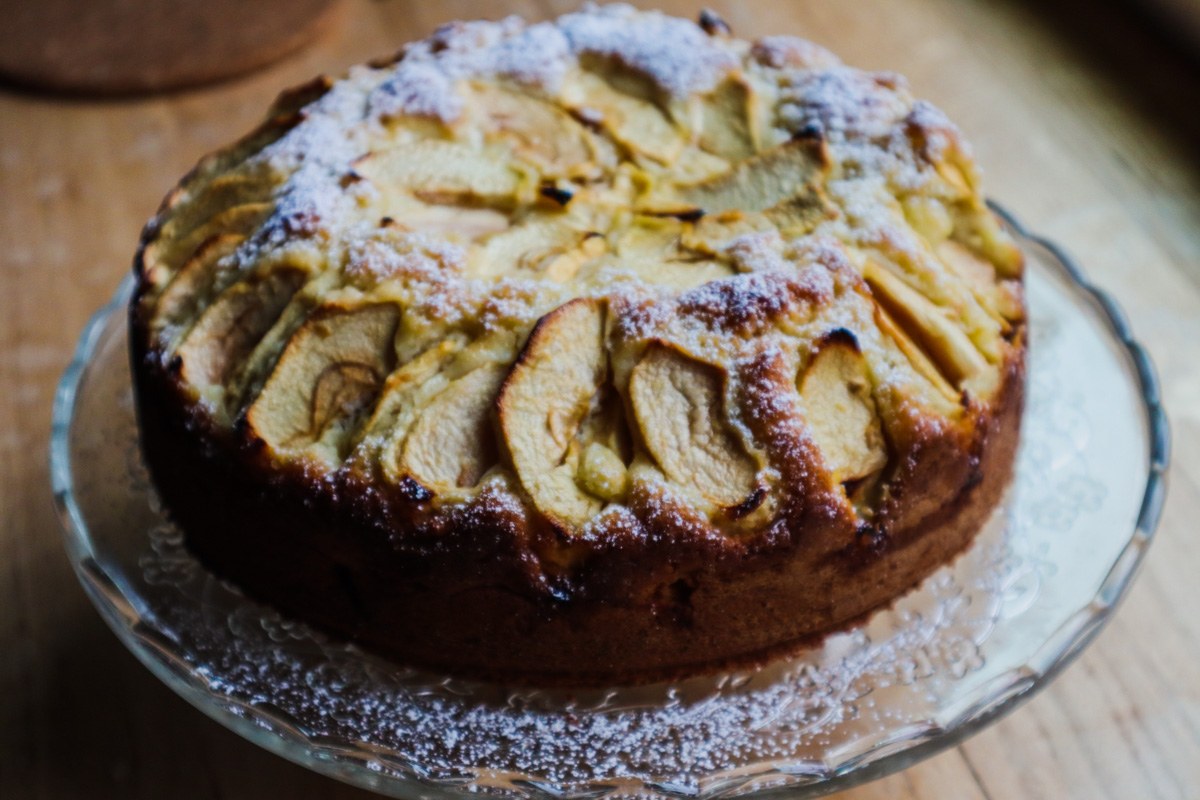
{"x":583,"y":428}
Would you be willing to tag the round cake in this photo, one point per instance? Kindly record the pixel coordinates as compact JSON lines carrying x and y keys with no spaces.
{"x":605,"y":349}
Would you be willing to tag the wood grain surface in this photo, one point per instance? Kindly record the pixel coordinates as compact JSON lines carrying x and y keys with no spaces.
{"x":1087,"y":123}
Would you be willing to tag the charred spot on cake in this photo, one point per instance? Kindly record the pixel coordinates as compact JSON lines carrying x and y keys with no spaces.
{"x":871,"y":539}
{"x":301,"y":95}
{"x":712,"y":23}
{"x":811,"y":131}
{"x":349,"y":178}
{"x":683,"y":215}
{"x":250,"y":442}
{"x":413,"y":491}
{"x":590,"y":118}
{"x":556,"y":193}
{"x":749,"y":505}
{"x":383,"y":62}
{"x":838,"y":336}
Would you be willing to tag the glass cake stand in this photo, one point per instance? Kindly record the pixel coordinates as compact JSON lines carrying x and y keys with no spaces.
{"x":973,"y":641}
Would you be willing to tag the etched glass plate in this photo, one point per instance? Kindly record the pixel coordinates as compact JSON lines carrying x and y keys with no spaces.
{"x":970,"y":643}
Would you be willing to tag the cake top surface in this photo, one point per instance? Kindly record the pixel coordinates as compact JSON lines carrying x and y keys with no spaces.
{"x":564,"y":262}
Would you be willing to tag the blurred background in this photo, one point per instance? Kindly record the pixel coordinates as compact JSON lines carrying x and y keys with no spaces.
{"x":1085,"y":116}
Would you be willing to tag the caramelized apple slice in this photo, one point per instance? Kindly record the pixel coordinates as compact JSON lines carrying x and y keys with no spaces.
{"x":466,"y":222}
{"x":445,"y":172}
{"x":544,"y":401}
{"x":539,"y":131}
{"x":398,"y":399}
{"x":228,"y":330}
{"x":637,"y":125}
{"x":452,"y":443}
{"x":551,"y":247}
{"x":914,"y":355}
{"x":980,"y":275}
{"x":650,"y":248}
{"x":237,"y":220}
{"x":679,"y":407}
{"x":836,"y":390}
{"x":602,"y":472}
{"x":194,"y":281}
{"x":693,"y":166}
{"x":929,"y":217}
{"x":946,"y":343}
{"x":764,"y":181}
{"x":712,"y":234}
{"x":985,"y":234}
{"x":227,"y":190}
{"x":329,"y":373}
{"x":728,"y":120}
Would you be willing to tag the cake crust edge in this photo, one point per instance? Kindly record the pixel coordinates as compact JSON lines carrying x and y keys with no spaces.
{"x":496,"y":594}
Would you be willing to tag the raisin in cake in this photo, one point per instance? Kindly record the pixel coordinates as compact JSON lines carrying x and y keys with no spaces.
{"x":603,"y":349}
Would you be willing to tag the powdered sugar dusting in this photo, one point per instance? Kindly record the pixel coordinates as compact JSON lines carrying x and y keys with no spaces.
{"x":408,"y":255}
{"x":842,"y":103}
{"x":676,"y":54}
{"x":420,"y":89}
{"x":779,"y":52}
{"x":423,"y":82}
{"x":868,"y":119}
{"x":760,"y":251}
{"x":857,"y":687}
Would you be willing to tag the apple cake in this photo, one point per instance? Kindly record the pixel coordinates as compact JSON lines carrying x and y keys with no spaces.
{"x":604,"y":349}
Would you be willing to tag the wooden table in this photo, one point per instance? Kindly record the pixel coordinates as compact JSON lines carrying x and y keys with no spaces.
{"x":1087,"y":124}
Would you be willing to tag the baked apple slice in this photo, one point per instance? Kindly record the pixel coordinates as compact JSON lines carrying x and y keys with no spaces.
{"x":945,"y":342}
{"x":636,"y":124}
{"x":452,"y":443}
{"x":679,"y":406}
{"x":915,"y":356}
{"x":729,"y":117}
{"x":980,"y":275}
{"x":228,"y":330}
{"x":328,"y":375}
{"x":538,"y":131}
{"x":193,"y":284}
{"x":464,"y":222}
{"x":239,"y":220}
{"x":201,"y":204}
{"x":763,"y":181}
{"x":835,"y":388}
{"x":444,"y":172}
{"x":401,"y":397}
{"x":986,"y":235}
{"x":550,"y":247}
{"x":544,"y":403}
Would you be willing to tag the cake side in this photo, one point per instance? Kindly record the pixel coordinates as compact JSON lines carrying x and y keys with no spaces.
{"x":635,"y":610}
{"x":599,"y":362}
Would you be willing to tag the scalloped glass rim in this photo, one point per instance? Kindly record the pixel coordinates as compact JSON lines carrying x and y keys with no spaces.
{"x":370,"y":766}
